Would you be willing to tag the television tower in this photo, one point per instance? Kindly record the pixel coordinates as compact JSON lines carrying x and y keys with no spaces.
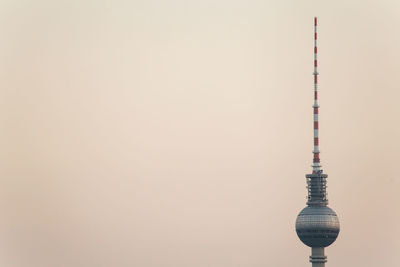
{"x":317,"y":225}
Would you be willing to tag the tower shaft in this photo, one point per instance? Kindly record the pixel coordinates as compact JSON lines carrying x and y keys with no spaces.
{"x":318,"y":257}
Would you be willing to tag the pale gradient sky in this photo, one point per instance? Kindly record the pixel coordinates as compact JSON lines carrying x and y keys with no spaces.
{"x":178,"y":133}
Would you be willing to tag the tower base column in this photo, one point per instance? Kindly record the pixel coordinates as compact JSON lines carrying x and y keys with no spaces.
{"x":317,"y":257}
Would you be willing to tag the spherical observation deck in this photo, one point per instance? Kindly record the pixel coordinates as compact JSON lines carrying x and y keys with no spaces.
{"x":317,"y":226}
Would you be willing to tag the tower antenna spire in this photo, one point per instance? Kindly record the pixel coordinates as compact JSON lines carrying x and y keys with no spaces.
{"x":316,"y":161}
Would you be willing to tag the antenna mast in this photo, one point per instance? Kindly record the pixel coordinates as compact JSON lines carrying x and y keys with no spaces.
{"x":316,"y":161}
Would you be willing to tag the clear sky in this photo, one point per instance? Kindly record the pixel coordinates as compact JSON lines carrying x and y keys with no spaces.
{"x":177,"y":133}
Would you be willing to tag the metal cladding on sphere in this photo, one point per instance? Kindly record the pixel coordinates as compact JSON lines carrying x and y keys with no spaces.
{"x":317,"y":226}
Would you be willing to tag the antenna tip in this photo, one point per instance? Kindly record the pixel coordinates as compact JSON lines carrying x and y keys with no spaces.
{"x":315,"y":21}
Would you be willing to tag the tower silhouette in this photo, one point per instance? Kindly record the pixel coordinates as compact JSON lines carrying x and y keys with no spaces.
{"x":317,"y":225}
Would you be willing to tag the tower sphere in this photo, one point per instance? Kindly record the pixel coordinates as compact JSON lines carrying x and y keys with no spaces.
{"x":317,"y":226}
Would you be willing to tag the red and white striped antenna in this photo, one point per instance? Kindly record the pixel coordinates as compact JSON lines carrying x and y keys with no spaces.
{"x":316,"y":161}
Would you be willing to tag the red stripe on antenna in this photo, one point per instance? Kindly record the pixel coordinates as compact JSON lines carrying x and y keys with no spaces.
{"x":316,"y":141}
